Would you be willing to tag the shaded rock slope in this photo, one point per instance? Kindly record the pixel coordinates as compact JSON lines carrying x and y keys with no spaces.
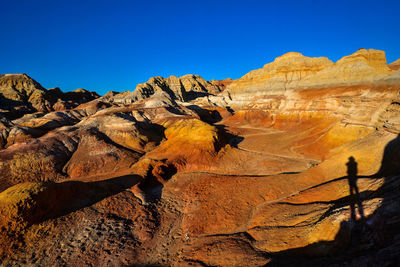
{"x":296,"y":163}
{"x":20,"y":94}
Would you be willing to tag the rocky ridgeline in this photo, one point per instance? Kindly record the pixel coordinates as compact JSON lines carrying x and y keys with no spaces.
{"x":21,"y":94}
{"x":295,"y":71}
{"x":186,"y":172}
{"x":185,"y":88}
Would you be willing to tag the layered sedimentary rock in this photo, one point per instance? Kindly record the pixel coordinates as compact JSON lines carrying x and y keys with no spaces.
{"x":222,"y":84}
{"x":185,"y":88}
{"x":395,"y":65}
{"x":362,"y":67}
{"x":274,"y":78}
{"x":295,"y":71}
{"x":358,"y":87}
{"x":292,"y":164}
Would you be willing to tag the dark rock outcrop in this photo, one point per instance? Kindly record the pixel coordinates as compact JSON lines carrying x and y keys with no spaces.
{"x":20,"y":94}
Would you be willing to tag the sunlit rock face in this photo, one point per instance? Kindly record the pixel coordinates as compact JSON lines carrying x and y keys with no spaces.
{"x":292,"y":72}
{"x":276,"y":77}
{"x":20,"y":94}
{"x":296,"y":163}
{"x":185,"y":88}
{"x":395,"y":65}
{"x":21,"y":89}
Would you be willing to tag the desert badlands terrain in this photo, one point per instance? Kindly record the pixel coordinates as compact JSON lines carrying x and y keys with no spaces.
{"x":296,"y":163}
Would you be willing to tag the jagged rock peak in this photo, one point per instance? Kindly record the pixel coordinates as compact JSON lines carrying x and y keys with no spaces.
{"x":184,"y":88}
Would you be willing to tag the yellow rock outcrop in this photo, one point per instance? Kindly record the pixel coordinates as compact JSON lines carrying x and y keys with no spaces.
{"x":293,"y":70}
{"x":279,"y":75}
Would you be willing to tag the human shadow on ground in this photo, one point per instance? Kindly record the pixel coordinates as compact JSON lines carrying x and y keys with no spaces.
{"x":355,"y":199}
{"x":367,"y":240}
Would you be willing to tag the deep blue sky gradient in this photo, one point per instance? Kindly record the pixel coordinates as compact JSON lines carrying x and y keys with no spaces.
{"x":114,"y":45}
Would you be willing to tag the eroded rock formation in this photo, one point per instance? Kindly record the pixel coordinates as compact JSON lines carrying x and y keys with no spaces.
{"x":20,"y":94}
{"x":185,"y":88}
{"x":395,"y":65}
{"x":294,"y":163}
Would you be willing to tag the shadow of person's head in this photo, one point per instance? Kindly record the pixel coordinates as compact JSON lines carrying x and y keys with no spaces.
{"x":351,"y":167}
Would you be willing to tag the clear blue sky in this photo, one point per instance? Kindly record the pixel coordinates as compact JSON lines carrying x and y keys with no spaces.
{"x":113,"y":45}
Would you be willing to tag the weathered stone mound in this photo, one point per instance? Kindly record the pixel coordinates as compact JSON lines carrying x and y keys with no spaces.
{"x":201,"y":139}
